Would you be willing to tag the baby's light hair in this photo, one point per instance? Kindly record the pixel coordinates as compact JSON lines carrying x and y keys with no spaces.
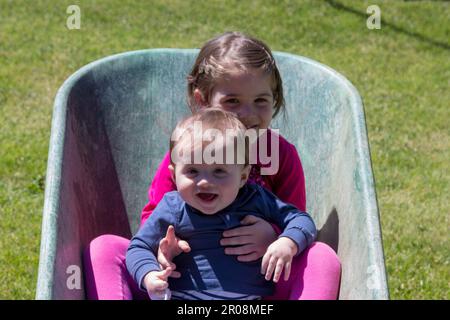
{"x":232,"y":51}
{"x":226,"y":123}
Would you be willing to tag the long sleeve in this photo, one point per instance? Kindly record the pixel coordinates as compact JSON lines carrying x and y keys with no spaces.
{"x":141,"y":254}
{"x":161,"y":184}
{"x":289,"y":182}
{"x":296,"y":225}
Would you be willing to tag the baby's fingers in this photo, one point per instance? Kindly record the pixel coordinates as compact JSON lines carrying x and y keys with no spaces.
{"x":159,"y":285}
{"x":164,"y":246}
{"x":164,"y":274}
{"x":287,"y":270}
{"x":164,"y":254}
{"x":265,"y":263}
{"x":170,"y":234}
{"x":175,"y":274}
{"x":184,"y":246}
{"x":270,"y":268}
{"x":278,"y":269}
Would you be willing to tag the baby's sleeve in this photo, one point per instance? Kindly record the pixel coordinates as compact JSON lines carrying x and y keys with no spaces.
{"x":295,"y":224}
{"x":142,"y":252}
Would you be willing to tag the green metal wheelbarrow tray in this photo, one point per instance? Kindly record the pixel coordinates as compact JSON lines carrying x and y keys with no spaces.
{"x":110,"y":130}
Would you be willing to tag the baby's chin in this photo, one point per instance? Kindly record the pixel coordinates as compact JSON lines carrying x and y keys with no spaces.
{"x":205,"y":211}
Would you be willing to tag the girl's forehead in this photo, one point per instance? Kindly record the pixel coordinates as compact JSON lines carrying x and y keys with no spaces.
{"x":252,"y":82}
{"x":244,"y":75}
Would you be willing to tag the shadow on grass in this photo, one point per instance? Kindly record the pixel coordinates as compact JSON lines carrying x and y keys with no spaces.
{"x":398,"y":29}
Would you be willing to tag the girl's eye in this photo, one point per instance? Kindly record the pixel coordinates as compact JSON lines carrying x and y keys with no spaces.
{"x":260,"y":100}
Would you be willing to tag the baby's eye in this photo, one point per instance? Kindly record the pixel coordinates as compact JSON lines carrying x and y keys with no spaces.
{"x":191,"y":171}
{"x":219,"y":172}
{"x":232,"y":101}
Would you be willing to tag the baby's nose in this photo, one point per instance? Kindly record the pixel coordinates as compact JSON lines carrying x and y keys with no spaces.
{"x":203,"y":182}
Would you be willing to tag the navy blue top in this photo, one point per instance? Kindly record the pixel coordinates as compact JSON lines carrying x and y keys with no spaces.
{"x":206,"y":266}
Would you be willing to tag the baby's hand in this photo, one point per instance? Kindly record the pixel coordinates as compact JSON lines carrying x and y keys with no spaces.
{"x":156,"y":284}
{"x":278,"y":257}
{"x":169,"y":247}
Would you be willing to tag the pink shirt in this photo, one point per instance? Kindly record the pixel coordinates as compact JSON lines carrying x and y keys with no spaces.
{"x":288,"y":183}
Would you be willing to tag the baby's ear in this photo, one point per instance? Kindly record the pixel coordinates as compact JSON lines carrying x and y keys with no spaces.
{"x":199,"y":98}
{"x":245,"y":174}
{"x":172,"y":171}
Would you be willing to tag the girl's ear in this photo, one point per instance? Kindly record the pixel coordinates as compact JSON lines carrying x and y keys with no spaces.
{"x":199,"y":98}
{"x":172,"y":172}
{"x":244,"y":175}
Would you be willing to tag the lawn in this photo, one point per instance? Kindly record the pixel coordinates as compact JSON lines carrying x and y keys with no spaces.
{"x":402,"y":71}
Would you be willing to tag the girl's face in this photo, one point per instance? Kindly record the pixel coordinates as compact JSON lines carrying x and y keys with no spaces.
{"x":247,"y":94}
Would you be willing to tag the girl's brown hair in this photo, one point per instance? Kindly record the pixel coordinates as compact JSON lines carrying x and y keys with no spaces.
{"x":225,"y":52}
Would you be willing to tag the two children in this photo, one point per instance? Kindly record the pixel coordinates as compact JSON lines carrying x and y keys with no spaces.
{"x":235,"y":73}
{"x":213,"y":196}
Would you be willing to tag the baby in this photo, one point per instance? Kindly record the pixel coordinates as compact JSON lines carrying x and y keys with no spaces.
{"x":210,"y":170}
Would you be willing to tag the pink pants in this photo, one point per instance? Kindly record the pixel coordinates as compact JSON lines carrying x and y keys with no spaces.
{"x":315,"y":273}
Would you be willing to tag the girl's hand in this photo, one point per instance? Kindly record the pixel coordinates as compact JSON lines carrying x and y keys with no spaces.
{"x":169,"y":247}
{"x":278,"y":257}
{"x":156,"y":284}
{"x":252,"y":239}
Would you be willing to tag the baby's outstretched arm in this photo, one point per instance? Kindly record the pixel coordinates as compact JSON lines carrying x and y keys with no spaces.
{"x":169,"y":247}
{"x":278,"y":257}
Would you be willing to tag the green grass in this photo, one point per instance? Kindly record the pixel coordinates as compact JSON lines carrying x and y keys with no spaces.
{"x":402,"y":72}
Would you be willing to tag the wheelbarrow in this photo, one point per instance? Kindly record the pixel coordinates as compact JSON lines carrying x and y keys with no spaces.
{"x":111,"y":125}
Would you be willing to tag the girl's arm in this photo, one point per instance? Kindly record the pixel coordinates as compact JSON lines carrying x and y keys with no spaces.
{"x":289,"y":182}
{"x":161,"y":184}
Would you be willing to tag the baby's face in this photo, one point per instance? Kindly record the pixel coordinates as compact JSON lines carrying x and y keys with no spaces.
{"x":209,"y":188}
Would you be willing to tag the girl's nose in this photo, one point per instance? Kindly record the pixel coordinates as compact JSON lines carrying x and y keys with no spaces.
{"x":246,"y":114}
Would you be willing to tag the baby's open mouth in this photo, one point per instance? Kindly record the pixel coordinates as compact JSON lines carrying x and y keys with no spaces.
{"x":207,"y":196}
